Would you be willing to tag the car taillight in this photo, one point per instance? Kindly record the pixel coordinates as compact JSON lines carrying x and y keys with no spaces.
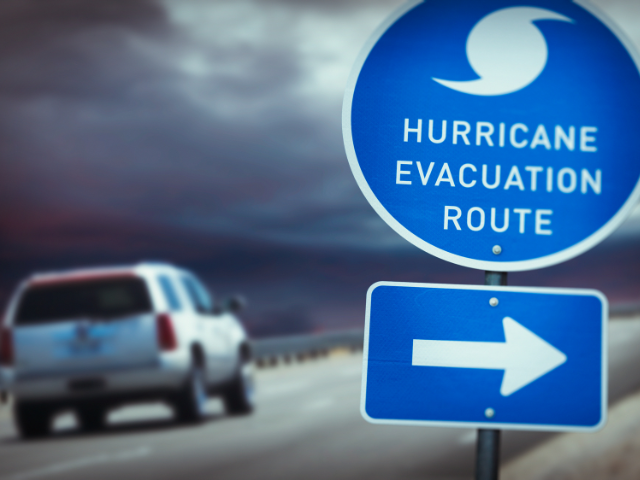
{"x":166,"y":334}
{"x":6,"y":347}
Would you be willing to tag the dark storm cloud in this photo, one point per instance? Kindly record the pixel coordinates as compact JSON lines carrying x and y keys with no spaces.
{"x":49,"y":48}
{"x":135,"y":112}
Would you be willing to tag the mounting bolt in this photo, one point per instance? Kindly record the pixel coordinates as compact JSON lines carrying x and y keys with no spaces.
{"x":497,"y":249}
{"x":489,"y":412}
{"x":493,"y":302}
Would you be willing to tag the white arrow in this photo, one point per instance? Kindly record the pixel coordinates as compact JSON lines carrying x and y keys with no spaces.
{"x":524,"y":356}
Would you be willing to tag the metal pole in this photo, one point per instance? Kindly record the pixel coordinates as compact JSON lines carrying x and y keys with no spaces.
{"x":488,"y":455}
{"x":495,"y":278}
{"x":488,"y":443}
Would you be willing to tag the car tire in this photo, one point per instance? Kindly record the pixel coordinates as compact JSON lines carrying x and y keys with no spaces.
{"x":91,"y":418}
{"x":190,"y":404}
{"x":32,"y":420}
{"x":239,"y":395}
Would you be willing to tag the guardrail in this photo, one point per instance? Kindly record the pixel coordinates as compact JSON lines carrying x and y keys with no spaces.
{"x":291,"y":348}
{"x":624,"y":310}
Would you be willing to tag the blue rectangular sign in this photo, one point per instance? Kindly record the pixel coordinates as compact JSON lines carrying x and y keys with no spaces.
{"x":485,"y":357}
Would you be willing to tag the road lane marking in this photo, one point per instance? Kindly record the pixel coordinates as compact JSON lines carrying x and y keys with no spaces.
{"x":140,"y":452}
{"x":318,"y":404}
{"x":142,"y":412}
{"x":281,"y":389}
{"x":64,"y":421}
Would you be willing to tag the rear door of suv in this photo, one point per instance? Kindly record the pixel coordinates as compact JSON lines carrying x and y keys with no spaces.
{"x":84,"y":326}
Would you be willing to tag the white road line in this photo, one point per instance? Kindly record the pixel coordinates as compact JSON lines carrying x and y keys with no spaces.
{"x":318,"y":404}
{"x":132,"y":455}
{"x":57,"y":468}
{"x":148,"y":411}
{"x":280,"y":389}
{"x":65,"y":421}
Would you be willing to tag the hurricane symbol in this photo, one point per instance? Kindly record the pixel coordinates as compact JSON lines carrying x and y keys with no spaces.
{"x":506,"y":50}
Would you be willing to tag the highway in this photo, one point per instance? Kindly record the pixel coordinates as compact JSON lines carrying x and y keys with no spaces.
{"x":307,"y":426}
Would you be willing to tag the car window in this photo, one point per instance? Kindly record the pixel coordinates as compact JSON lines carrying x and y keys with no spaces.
{"x":91,"y":299}
{"x":170,"y":293}
{"x":201,"y":302}
{"x":203,"y":294}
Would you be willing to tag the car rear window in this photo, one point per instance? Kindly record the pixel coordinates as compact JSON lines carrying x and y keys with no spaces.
{"x":94,"y":299}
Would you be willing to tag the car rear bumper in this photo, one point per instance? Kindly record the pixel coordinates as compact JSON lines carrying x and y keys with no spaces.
{"x":153,"y":380}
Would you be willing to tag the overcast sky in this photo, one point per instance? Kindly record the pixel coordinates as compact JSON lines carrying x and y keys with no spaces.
{"x":208,"y":133}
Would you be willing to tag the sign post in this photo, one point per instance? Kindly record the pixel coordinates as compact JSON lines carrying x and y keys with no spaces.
{"x":488,"y":442}
{"x":491,"y":136}
{"x":487,"y":357}
{"x":488,"y":454}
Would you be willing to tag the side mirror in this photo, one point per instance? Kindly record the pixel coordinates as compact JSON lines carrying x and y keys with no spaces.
{"x":217,"y":309}
{"x":235,"y":304}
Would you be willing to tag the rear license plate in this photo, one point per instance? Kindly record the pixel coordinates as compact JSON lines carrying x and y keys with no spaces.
{"x":86,"y":384}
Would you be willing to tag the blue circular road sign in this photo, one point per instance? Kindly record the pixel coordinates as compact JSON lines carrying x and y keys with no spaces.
{"x":497,"y":136}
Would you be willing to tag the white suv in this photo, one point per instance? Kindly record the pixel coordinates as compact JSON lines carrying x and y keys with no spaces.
{"x":93,"y":339}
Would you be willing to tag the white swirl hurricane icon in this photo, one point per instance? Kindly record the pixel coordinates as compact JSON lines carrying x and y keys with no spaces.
{"x":506,"y":50}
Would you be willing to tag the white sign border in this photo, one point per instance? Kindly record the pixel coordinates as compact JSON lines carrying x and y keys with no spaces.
{"x":494,"y":425}
{"x":521,"y":265}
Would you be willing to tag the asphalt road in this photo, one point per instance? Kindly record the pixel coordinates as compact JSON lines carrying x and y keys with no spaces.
{"x":307,"y":426}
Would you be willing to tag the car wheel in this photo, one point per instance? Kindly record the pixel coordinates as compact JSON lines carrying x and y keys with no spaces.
{"x":91,"y":418}
{"x":239,"y":397}
{"x":190,"y":404}
{"x":32,"y":420}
